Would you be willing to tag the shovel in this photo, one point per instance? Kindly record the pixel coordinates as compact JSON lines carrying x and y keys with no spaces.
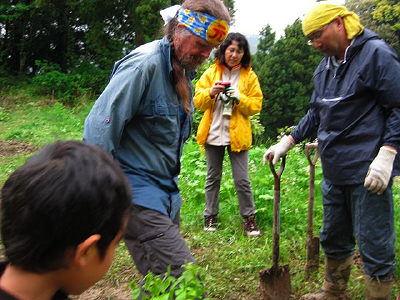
{"x":275,"y":281}
{"x":312,"y":241}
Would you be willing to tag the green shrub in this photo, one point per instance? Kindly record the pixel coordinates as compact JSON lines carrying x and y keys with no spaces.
{"x":186,"y":287}
{"x":84,"y":79}
{"x":50,"y":80}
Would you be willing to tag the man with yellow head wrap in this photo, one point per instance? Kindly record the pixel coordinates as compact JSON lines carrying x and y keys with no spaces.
{"x":355,"y":110}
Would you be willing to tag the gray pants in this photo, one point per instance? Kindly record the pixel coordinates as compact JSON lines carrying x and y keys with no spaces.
{"x":239,"y":162}
{"x":154,"y":242}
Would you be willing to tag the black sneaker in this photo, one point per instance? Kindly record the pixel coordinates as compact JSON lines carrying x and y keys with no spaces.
{"x":250,"y":226}
{"x":210,"y":223}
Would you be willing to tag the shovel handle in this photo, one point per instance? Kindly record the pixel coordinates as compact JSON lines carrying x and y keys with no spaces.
{"x":308,"y":148}
{"x":276,"y":216}
{"x":277,"y":174}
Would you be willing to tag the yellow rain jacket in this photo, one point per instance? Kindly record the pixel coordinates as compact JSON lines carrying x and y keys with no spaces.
{"x":250,"y":104}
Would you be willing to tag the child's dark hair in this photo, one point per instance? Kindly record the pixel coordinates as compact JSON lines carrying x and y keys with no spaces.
{"x":243,"y":44}
{"x":58,"y":198}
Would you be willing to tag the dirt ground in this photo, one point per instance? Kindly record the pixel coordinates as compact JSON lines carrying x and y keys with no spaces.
{"x":8,"y":148}
{"x":104,"y":291}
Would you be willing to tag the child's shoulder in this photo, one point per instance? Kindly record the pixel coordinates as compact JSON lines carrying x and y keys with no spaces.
{"x":4,"y":295}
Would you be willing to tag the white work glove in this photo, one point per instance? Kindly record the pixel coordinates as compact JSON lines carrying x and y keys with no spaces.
{"x":224,"y":98}
{"x":233,"y":93}
{"x":380,"y":171}
{"x":278,"y":150}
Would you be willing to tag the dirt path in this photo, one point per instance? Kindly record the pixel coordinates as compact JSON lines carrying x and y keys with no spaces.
{"x":103,"y":291}
{"x":8,"y":148}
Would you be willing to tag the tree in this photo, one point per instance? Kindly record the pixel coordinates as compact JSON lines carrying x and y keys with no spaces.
{"x":388,"y":12}
{"x":13,"y":27}
{"x":72,"y":33}
{"x":381,"y":16}
{"x":266,"y":41}
{"x":286,"y":79}
{"x":230,"y":4}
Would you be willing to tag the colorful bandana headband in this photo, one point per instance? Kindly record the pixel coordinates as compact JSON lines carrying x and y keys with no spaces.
{"x":203,"y":25}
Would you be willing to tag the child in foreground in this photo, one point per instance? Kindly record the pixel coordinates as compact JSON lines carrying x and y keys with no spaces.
{"x":62,"y":215}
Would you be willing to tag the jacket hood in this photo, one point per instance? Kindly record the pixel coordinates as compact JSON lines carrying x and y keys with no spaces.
{"x":360,"y":40}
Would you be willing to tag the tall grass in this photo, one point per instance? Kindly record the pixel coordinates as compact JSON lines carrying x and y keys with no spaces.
{"x":231,"y":260}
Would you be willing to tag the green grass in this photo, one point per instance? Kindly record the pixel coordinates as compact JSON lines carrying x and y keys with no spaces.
{"x":42,"y":124}
{"x":231,"y":261}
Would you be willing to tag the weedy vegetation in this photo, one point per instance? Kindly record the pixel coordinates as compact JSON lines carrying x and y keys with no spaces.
{"x":228,"y":261}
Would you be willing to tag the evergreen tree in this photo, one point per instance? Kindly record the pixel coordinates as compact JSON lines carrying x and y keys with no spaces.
{"x":69,"y":32}
{"x":286,"y":79}
{"x":266,"y":41}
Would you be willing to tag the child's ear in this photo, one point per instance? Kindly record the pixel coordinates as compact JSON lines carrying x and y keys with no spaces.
{"x":85,"y":250}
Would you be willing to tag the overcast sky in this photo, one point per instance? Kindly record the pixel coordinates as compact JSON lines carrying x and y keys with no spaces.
{"x":252,"y":15}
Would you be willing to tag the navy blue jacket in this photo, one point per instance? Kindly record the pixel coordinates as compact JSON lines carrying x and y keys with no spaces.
{"x":139,"y":119}
{"x":355,"y":109}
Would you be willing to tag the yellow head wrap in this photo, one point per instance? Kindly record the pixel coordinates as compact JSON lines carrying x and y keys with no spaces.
{"x":325,"y":13}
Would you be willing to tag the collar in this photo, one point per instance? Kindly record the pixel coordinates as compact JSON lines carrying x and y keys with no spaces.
{"x":165,"y":47}
{"x":336,"y":62}
{"x":234,"y":68}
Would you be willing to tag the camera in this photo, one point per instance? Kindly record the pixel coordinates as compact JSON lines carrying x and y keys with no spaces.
{"x":226,"y":84}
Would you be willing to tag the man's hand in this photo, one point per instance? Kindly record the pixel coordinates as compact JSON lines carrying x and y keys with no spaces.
{"x":233,"y":94}
{"x":380,"y":170}
{"x":278,"y":150}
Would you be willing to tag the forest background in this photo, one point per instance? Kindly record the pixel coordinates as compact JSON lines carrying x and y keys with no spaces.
{"x":55,"y":59}
{"x":67,"y":48}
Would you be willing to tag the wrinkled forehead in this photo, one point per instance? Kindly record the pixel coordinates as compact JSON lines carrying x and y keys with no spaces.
{"x":203,"y":43}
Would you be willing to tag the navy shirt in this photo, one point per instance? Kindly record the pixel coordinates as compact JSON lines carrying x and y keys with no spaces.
{"x":355,"y":109}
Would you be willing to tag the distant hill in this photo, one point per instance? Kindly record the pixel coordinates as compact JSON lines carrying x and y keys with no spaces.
{"x":253,"y":42}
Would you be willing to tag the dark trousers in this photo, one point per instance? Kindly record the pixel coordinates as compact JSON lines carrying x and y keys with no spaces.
{"x":353,"y":214}
{"x":154,"y":242}
{"x":239,"y":162}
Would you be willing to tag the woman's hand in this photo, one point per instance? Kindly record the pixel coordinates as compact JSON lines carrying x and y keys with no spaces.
{"x":233,"y":94}
{"x":216,"y":89}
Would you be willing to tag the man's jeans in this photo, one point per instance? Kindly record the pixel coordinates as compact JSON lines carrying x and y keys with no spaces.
{"x":352,"y":213}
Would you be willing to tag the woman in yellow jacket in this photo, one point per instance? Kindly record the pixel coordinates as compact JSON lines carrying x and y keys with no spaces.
{"x":226,"y":125}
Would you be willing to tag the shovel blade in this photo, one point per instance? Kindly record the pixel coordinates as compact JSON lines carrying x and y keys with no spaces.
{"x":312,"y":256}
{"x":275,"y":283}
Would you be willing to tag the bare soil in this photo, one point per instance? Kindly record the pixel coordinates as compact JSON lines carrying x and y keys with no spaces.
{"x":103,"y":290}
{"x":9,"y":148}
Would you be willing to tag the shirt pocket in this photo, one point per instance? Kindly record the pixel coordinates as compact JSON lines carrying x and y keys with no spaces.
{"x":162,"y":119}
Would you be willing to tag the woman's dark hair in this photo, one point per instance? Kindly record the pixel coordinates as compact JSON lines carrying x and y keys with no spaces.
{"x":57,"y":199}
{"x":243,"y":44}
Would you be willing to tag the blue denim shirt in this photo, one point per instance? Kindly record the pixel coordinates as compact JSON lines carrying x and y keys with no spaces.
{"x":139,"y":119}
